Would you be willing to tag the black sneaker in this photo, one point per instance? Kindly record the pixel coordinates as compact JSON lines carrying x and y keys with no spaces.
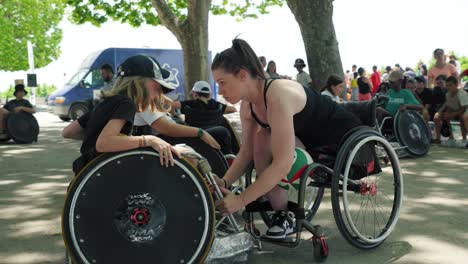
{"x":283,"y":225}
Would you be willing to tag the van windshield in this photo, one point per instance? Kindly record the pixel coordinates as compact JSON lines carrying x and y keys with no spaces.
{"x":77,"y":77}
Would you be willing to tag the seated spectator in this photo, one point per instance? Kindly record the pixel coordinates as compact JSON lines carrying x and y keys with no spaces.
{"x":388,"y":69}
{"x":425,"y":97}
{"x":334,"y":88}
{"x":16,"y":105}
{"x":202,"y":100}
{"x":271,"y":70}
{"x":454,"y":108}
{"x":399,"y":99}
{"x":439,"y":92}
{"x":365,"y":86}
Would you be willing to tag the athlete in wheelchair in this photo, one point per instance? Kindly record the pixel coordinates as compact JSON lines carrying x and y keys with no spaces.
{"x":125,"y":207}
{"x":400,"y":120}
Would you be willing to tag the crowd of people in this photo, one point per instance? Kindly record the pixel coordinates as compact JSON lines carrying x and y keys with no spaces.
{"x":436,"y":93}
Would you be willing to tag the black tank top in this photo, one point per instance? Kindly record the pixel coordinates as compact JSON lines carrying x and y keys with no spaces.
{"x":321,"y":122}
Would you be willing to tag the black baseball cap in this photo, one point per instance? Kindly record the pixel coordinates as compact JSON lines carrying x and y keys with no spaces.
{"x":146,"y":66}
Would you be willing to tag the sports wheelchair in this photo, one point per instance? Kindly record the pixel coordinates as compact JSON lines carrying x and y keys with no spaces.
{"x":22,"y":127}
{"x":154,"y":213}
{"x":407,"y":132}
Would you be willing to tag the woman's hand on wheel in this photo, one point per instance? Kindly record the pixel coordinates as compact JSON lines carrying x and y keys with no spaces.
{"x":208,"y":139}
{"x":230,"y":204}
{"x":165,"y":150}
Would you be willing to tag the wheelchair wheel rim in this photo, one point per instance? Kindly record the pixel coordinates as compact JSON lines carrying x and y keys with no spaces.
{"x":72,"y":217}
{"x":396,"y":206}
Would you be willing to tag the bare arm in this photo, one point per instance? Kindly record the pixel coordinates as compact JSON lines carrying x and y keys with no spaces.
{"x":176,"y":105}
{"x":110,"y":139}
{"x":230,"y":109}
{"x":169,"y":128}
{"x":245,"y":155}
{"x":280,"y":117}
{"x":73,"y":131}
{"x":26,"y":109}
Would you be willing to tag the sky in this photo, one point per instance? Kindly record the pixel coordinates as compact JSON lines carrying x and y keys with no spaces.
{"x":369,"y":32}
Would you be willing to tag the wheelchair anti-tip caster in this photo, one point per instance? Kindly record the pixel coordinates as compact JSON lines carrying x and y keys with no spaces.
{"x":320,"y":245}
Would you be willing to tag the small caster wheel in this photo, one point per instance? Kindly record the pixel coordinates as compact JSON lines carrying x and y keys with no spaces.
{"x":320,"y":248}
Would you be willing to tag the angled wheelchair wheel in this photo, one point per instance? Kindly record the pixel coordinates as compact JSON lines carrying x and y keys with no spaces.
{"x":367,"y":189}
{"x":22,"y":127}
{"x":412,"y":132}
{"x":313,"y":198}
{"x":126,"y":208}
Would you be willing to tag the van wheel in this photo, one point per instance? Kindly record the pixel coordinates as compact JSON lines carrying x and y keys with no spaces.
{"x":78,"y":110}
{"x":64,"y":118}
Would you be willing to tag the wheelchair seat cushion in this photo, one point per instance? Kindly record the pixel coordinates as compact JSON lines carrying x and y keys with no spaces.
{"x":364,"y":110}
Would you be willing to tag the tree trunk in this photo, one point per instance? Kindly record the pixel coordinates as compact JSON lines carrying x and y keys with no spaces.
{"x":318,"y":33}
{"x":192,"y":34}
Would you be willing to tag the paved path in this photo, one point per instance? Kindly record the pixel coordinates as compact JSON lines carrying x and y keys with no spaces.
{"x":432,"y":228}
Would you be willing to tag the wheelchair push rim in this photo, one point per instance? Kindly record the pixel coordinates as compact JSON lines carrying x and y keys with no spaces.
{"x":155,"y":217}
{"x":370,"y":190}
{"x":358,"y":182}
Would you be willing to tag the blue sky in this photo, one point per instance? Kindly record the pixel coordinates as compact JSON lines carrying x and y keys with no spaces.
{"x":369,"y":32}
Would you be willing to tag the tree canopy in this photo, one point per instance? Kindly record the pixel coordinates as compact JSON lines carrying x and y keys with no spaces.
{"x":33,"y":20}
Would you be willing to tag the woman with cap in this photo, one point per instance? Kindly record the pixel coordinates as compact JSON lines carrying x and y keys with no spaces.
{"x":157,"y":121}
{"x":441,"y":67}
{"x":276,"y":116}
{"x":135,"y":90}
{"x":16,"y":105}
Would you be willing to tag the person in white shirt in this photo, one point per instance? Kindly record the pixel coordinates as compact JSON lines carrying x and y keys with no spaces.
{"x":334,"y":88}
{"x":302,"y":77}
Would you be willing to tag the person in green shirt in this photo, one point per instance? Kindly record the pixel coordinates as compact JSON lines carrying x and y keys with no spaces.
{"x":400,"y":99}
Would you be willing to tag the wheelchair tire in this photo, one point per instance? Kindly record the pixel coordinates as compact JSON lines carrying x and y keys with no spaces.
{"x":412,"y":132}
{"x":150,"y":214}
{"x":346,"y":209}
{"x":312,"y":200}
{"x":22,"y":127}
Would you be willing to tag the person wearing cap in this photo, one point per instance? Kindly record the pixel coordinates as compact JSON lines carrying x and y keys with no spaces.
{"x":136,"y":88}
{"x":16,"y":105}
{"x":441,"y":67}
{"x":302,"y":77}
{"x":201,"y":94}
{"x":400,"y":99}
{"x":157,"y":121}
{"x":205,"y":112}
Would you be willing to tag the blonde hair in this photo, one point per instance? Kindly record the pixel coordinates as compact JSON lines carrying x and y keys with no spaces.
{"x":134,"y":88}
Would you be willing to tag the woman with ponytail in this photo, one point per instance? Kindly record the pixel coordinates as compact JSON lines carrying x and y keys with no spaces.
{"x":333,"y":88}
{"x":276,"y":116}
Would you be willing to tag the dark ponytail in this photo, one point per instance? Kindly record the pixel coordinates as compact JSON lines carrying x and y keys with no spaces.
{"x":239,"y":56}
{"x":333,"y":80}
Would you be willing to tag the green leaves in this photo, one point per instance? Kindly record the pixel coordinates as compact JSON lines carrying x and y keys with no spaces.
{"x":138,"y":12}
{"x":34,"y":20}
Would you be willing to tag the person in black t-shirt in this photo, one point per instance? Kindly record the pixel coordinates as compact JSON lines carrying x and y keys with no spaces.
{"x":425,"y":97}
{"x":365,"y":86}
{"x":135,"y":90}
{"x":15,"y":105}
{"x":201,"y":93}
